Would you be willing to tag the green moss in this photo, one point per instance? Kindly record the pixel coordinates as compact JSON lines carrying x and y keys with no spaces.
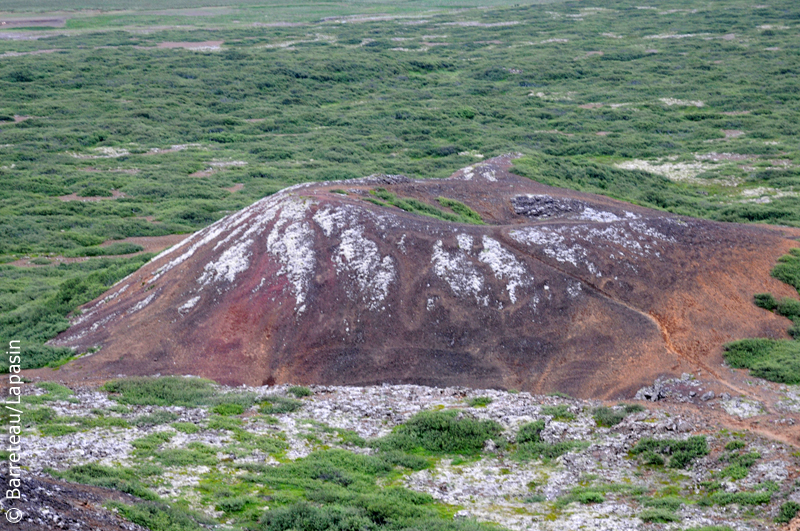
{"x":163,"y":391}
{"x":479,"y":401}
{"x":228,"y":409}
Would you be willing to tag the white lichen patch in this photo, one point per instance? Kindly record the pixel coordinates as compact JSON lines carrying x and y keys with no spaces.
{"x":291,"y":242}
{"x":552,"y":243}
{"x":104,"y":153}
{"x":465,"y":242}
{"x":459,"y":272}
{"x":361,"y":258}
{"x":505,"y":266}
{"x":677,"y":171}
{"x":142,"y":304}
{"x":591,"y":214}
{"x":188,"y":305}
{"x":681,"y":103}
{"x":233,"y":261}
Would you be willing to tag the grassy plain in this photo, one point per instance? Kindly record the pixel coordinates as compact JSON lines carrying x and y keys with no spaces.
{"x":114,"y":105}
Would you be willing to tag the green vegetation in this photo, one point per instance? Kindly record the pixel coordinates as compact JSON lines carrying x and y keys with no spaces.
{"x":158,"y":516}
{"x":530,"y":432}
{"x":596,"y":493}
{"x":228,"y":409}
{"x":788,"y":511}
{"x":274,"y":405}
{"x":442,"y":432}
{"x":154,"y":419}
{"x":559,"y":412}
{"x":280,"y":105}
{"x":479,"y":401}
{"x":788,"y":269}
{"x":772,"y":359}
{"x":681,"y":453}
{"x":299,"y":391}
{"x":163,"y":391}
{"x":531,"y":446}
{"x":461,"y":213}
{"x":121,"y":479}
{"x":185,"y":427}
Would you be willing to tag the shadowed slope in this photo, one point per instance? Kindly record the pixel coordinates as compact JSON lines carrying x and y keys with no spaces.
{"x":557,"y":291}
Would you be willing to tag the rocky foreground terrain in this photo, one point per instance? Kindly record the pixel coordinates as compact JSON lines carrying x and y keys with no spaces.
{"x":585,"y":468}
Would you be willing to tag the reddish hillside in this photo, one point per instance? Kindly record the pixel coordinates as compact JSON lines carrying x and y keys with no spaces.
{"x":558,"y":291}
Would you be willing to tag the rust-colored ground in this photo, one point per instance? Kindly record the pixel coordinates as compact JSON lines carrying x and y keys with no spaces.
{"x":612,"y":295}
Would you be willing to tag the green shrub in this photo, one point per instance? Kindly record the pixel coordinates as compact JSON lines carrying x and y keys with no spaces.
{"x":787,"y":512}
{"x":121,"y":479}
{"x":559,"y":412}
{"x":682,"y":452}
{"x":158,"y":516}
{"x":228,"y":409}
{"x":151,"y":441}
{"x":442,"y":432}
{"x":787,"y":269}
{"x":605,"y":416}
{"x":667,"y":503}
{"x":530,"y":432}
{"x":765,"y":300}
{"x":155,"y":419}
{"x":462,"y":210}
{"x":789,"y":308}
{"x":735,"y":445}
{"x":56,"y":430}
{"x":741,"y":498}
{"x":299,"y":391}
{"x":163,"y":391}
{"x":659,"y":516}
{"x":185,"y":427}
{"x":771,"y":359}
{"x":218,"y":422}
{"x":275,"y":405}
{"x":479,"y":401}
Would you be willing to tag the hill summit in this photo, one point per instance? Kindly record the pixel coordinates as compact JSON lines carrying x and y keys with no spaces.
{"x":484,"y":279}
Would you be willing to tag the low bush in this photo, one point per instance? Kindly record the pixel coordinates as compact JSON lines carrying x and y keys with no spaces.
{"x":479,"y":401}
{"x":776,"y":360}
{"x":659,"y":516}
{"x":682,"y":452}
{"x":155,"y":419}
{"x":274,"y":405}
{"x":121,"y":479}
{"x":765,"y":300}
{"x":299,"y":391}
{"x":163,"y":391}
{"x":158,"y":516}
{"x":787,"y":512}
{"x":530,"y":432}
{"x":559,"y":412}
{"x":442,"y":432}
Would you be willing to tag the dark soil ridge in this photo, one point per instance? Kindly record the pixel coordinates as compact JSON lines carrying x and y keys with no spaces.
{"x":558,"y":291}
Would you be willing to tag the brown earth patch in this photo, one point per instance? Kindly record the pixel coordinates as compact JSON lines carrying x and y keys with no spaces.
{"x":115,"y":194}
{"x":18,"y":118}
{"x":732,"y":133}
{"x":735,"y":113}
{"x":254,"y":120}
{"x":35,"y":52}
{"x":591,"y":105}
{"x":27,"y":22}
{"x":202,"y":173}
{"x":716,"y":157}
{"x":235,"y":188}
{"x":729,"y":37}
{"x":205,"y":45}
{"x":603,"y":133}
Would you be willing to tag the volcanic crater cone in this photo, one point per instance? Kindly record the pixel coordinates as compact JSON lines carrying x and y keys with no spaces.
{"x":326,"y":283}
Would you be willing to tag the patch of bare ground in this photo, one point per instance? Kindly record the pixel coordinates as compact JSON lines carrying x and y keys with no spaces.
{"x":735,"y":113}
{"x":115,"y":194}
{"x":591,"y":105}
{"x":475,"y":24}
{"x":195,"y":46}
{"x":151,"y":244}
{"x":732,"y":133}
{"x":202,"y":173}
{"x":651,"y":50}
{"x":19,"y":118}
{"x":151,"y":219}
{"x":254,"y":120}
{"x":717,"y":157}
{"x":773,"y":49}
{"x":554,"y":132}
{"x":202,"y":12}
{"x":603,"y":133}
{"x":172,"y":149}
{"x":729,"y":37}
{"x":29,"y":22}
{"x":235,"y":188}
{"x":34,"y":52}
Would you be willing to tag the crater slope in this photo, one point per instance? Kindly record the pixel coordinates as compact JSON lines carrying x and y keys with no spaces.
{"x":327,"y":283}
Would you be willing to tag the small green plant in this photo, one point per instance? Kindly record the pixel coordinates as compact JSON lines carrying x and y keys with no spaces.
{"x":735,"y":445}
{"x":659,"y":516}
{"x":765,"y":300}
{"x":479,"y":401}
{"x":530,"y":432}
{"x":300,"y":391}
{"x":275,"y":405}
{"x":57,"y":430}
{"x":121,"y":479}
{"x":605,"y":416}
{"x":682,"y":452}
{"x":185,"y":427}
{"x":151,"y":441}
{"x":158,"y":516}
{"x":155,"y":419}
{"x":228,"y":409}
{"x":559,"y":412}
{"x":218,"y":422}
{"x":442,"y":432}
{"x":163,"y":391}
{"x":787,"y":512}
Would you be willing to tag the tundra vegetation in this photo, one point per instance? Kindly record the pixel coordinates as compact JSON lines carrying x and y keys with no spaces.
{"x":134,"y":124}
{"x":239,"y":467}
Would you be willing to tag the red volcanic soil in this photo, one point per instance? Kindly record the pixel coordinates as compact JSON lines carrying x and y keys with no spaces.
{"x":559,"y":290}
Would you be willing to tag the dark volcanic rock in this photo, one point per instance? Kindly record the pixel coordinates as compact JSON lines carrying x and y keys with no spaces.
{"x":311,"y":286}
